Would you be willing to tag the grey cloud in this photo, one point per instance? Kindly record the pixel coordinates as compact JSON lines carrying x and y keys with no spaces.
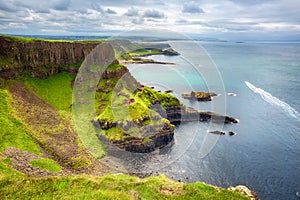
{"x":192,"y":7}
{"x":110,"y":11}
{"x":153,"y":14}
{"x":61,"y":5}
{"x":42,"y":10}
{"x":8,"y":6}
{"x":97,"y":7}
{"x":251,"y":2}
{"x":132,"y":12}
{"x":181,"y":21}
{"x":138,"y":20}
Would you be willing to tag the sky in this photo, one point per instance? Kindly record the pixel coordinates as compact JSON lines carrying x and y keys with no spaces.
{"x":227,"y":20}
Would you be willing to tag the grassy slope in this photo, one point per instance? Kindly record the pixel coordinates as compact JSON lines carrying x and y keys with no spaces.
{"x":12,"y":133}
{"x":56,"y":90}
{"x":109,"y":187}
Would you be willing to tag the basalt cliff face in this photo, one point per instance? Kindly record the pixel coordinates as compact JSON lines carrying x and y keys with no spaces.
{"x":41,"y":58}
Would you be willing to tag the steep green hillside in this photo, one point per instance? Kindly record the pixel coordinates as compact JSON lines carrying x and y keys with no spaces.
{"x":55,"y":89}
{"x":12,"y":131}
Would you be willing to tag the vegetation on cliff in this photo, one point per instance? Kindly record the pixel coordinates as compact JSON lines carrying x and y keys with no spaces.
{"x":125,"y":114}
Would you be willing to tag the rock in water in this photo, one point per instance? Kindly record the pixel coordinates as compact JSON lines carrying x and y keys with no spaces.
{"x":231,"y":133}
{"x":216,"y":132}
{"x":198,"y":96}
{"x":244,"y":190}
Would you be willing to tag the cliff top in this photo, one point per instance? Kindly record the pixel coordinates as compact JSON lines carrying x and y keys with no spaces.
{"x":20,"y":39}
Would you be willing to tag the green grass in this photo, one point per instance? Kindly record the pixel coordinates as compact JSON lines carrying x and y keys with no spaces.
{"x":21,"y":39}
{"x":150,"y":96}
{"x":109,"y":187}
{"x":114,"y":66}
{"x":142,"y":51}
{"x":46,"y":164}
{"x":80,"y":162}
{"x":114,"y":133}
{"x":12,"y":131}
{"x":56,"y":89}
{"x":6,"y":171}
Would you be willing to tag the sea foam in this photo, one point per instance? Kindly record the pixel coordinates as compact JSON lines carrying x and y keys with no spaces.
{"x":274,"y":101}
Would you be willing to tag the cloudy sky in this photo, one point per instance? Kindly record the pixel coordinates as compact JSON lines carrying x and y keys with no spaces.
{"x":229,"y":19}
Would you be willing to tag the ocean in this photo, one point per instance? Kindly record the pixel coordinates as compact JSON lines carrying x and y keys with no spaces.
{"x":264,"y":154}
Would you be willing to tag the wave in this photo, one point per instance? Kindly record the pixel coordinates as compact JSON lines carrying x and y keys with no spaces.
{"x":274,"y":101}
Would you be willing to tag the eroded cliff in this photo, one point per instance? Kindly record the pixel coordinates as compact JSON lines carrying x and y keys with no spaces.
{"x":41,"y":58}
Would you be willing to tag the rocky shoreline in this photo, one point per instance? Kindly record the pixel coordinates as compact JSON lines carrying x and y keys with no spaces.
{"x":178,"y":114}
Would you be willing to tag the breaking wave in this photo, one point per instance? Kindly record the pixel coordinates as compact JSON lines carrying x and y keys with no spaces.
{"x":274,"y":101}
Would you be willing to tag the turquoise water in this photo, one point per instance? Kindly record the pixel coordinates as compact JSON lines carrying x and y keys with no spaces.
{"x":265,"y":153}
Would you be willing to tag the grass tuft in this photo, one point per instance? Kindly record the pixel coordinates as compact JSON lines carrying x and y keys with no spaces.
{"x":46,"y":164}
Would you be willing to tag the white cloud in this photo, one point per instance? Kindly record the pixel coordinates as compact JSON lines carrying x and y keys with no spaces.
{"x":199,"y":16}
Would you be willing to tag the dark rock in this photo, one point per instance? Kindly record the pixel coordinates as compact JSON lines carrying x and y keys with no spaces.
{"x":180,"y":113}
{"x":170,"y":52}
{"x":169,"y":91}
{"x":231,"y":133}
{"x":216,"y":132}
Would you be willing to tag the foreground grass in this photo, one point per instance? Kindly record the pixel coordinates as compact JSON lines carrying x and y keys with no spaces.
{"x":109,"y":187}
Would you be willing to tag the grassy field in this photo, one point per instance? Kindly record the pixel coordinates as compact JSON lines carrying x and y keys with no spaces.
{"x":12,"y":131}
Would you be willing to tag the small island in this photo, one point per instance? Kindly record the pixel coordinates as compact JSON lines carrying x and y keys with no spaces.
{"x":199,"y":96}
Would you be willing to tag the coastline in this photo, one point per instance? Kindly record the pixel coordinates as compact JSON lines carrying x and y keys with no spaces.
{"x":79,"y":163}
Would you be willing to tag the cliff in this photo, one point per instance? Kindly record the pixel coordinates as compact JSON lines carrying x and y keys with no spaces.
{"x":42,"y":157}
{"x":133,"y":117}
{"x":41,"y":58}
{"x":125,"y":115}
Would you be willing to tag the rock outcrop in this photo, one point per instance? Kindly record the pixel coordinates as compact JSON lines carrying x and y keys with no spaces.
{"x":180,"y":113}
{"x":170,"y":52}
{"x":199,"y":96}
{"x":155,"y":139}
{"x":245,"y":191}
